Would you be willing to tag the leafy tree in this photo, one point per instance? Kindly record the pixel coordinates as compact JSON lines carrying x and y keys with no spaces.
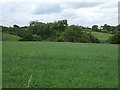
{"x":49,"y":30}
{"x":118,"y":28}
{"x":36,"y":38}
{"x":115,"y":39}
{"x":108,"y":28}
{"x":36,"y":27}
{"x":61,"y":25}
{"x":95,"y":28}
{"x":72,"y":33}
{"x":16,"y":26}
{"x":93,"y":39}
{"x":26,"y":36}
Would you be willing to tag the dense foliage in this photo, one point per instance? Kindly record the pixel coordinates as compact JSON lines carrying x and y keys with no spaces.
{"x":106,"y":28}
{"x":115,"y":39}
{"x":60,"y":31}
{"x":53,"y":31}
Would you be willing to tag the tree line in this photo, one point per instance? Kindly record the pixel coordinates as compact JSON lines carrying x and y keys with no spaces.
{"x":106,"y":28}
{"x":60,"y":31}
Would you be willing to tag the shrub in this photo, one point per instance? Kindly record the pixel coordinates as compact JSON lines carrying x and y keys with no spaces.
{"x":72,"y":33}
{"x":60,"y":39}
{"x":36,"y":38}
{"x":93,"y":39}
{"x":88,"y":38}
{"x":115,"y":39}
{"x":26,"y":36}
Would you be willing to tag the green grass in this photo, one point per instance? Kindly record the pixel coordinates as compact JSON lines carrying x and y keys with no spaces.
{"x":9,"y":37}
{"x":0,"y":36}
{"x":0,"y":64}
{"x":103,"y":37}
{"x":59,"y":65}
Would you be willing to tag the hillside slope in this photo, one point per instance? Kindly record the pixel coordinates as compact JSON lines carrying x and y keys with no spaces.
{"x":9,"y":37}
{"x":101,"y":36}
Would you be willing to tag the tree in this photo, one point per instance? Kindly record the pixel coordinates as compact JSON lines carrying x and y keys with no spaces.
{"x":108,"y":28}
{"x":26,"y":36}
{"x":61,"y":25}
{"x":118,"y":27}
{"x":73,"y":33}
{"x":15,"y":26}
{"x":115,"y":39}
{"x":48,"y":31}
{"x":36,"y":27}
{"x":95,"y":28}
{"x":36,"y":38}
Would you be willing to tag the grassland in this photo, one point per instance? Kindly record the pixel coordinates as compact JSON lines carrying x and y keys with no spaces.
{"x":0,"y":36}
{"x":0,"y":64}
{"x":103,"y":37}
{"x":59,"y":65}
{"x":9,"y":37}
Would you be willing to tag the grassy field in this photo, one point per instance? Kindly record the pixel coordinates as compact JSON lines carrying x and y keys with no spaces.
{"x":0,"y":36}
{"x":102,"y":36}
{"x":59,"y":65}
{"x":0,"y":64}
{"x":9,"y":37}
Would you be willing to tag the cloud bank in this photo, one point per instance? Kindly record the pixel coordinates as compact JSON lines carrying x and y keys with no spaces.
{"x":79,"y":13}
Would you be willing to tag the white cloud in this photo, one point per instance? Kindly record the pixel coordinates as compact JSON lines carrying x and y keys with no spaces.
{"x":51,"y":1}
{"x":45,"y":8}
{"x":76,"y":12}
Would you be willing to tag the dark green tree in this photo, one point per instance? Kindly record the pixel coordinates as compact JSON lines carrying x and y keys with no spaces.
{"x":73,"y":33}
{"x":95,"y":28}
{"x":115,"y":39}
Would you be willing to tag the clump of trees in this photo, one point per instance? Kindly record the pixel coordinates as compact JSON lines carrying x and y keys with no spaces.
{"x":95,"y":28}
{"x":106,"y":28}
{"x":60,"y":31}
{"x":109,"y":29}
{"x":76,"y":34}
{"x":48,"y":31}
{"x":53,"y":31}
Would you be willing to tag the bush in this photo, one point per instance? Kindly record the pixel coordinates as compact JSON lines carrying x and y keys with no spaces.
{"x":60,"y":39}
{"x":26,"y":36}
{"x":76,"y":34}
{"x":115,"y":39}
{"x":88,"y":38}
{"x":36,"y":38}
{"x":72,"y":33}
{"x":93,"y":39}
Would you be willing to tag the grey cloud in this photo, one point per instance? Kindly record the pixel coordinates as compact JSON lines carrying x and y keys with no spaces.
{"x":12,"y":7}
{"x":109,"y":5}
{"x":119,"y":12}
{"x":81,"y":4}
{"x":47,"y":8}
{"x":84,"y":13}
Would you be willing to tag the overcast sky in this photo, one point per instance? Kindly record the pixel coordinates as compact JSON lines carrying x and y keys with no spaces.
{"x":77,"y":12}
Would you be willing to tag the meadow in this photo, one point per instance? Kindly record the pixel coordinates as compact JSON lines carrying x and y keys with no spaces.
{"x":59,"y":65}
{"x":103,"y":37}
{"x":0,"y":64}
{"x":9,"y":37}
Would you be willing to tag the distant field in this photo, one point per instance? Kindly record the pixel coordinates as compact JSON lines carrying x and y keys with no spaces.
{"x":59,"y":65}
{"x":102,"y":36}
{"x":9,"y":37}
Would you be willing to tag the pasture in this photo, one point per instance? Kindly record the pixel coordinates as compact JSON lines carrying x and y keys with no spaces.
{"x":0,"y":64}
{"x":103,"y":37}
{"x":59,"y":65}
{"x":9,"y":37}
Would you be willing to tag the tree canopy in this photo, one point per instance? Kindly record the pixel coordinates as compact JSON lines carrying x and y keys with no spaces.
{"x":60,"y":31}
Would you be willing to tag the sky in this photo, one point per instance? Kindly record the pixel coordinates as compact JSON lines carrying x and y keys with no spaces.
{"x":78,"y":12}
